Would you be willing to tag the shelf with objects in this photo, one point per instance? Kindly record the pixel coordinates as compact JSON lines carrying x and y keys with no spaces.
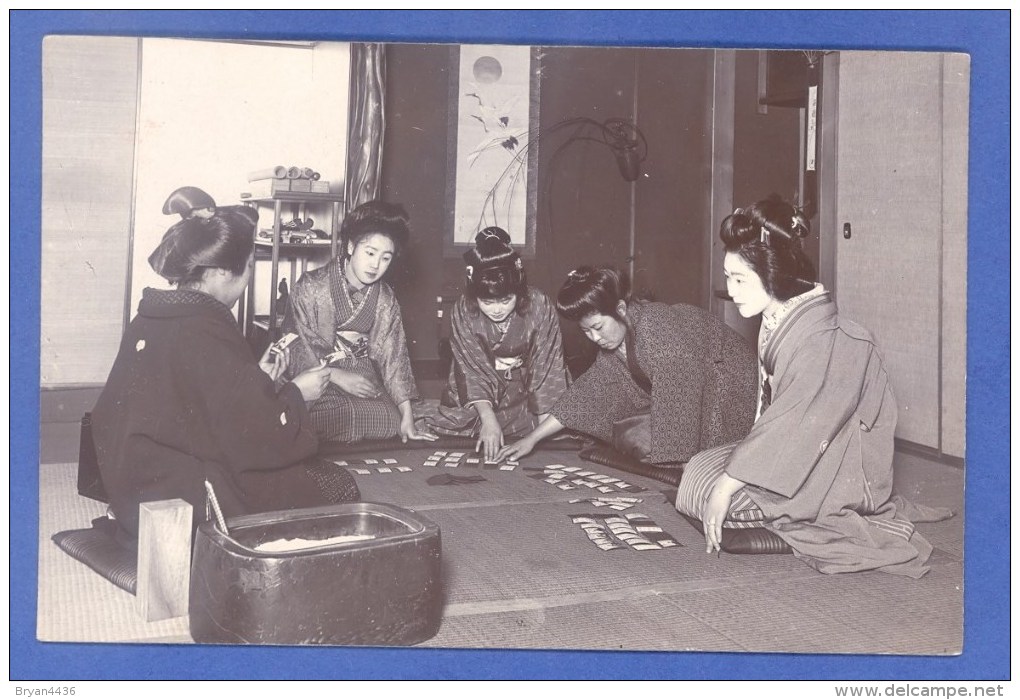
{"x":291,"y":235}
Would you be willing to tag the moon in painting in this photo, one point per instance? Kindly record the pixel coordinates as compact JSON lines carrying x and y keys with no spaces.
{"x":487,"y":70}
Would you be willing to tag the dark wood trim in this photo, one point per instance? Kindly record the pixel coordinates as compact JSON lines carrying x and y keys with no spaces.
{"x":931,"y":453}
{"x":722,"y":99}
{"x":67,"y":403}
{"x":828,"y":153}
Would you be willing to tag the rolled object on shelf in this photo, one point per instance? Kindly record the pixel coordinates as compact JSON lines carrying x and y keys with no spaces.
{"x":276,"y":172}
{"x":309,"y":174}
{"x":294,"y":172}
{"x":315,"y":175}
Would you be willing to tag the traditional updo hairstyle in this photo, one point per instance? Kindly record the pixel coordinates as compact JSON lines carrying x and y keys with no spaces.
{"x":376,"y":216}
{"x":185,"y":200}
{"x":191,"y":246}
{"x":495,"y":270}
{"x":767,"y":236}
{"x":593,"y":290}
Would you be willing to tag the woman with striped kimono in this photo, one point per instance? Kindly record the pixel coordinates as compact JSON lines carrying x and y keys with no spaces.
{"x":817,"y":467}
{"x":346,"y":316}
{"x":508,"y":366}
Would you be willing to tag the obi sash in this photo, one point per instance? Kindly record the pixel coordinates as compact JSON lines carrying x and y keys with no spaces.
{"x":506,"y":365}
{"x":355,"y":316}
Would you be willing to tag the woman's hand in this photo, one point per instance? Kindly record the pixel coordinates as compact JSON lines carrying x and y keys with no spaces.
{"x":490,"y":434}
{"x":516,"y":450}
{"x":355,"y":384}
{"x":490,"y":439}
{"x":717,"y":506}
{"x":312,"y":382}
{"x":274,"y":363}
{"x":549,"y":426}
{"x":408,"y":431}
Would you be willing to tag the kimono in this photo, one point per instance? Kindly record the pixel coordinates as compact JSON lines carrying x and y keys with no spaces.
{"x":363,"y":332}
{"x":519,"y":370}
{"x":689,"y":372}
{"x":818,"y":462}
{"x":187,"y":402}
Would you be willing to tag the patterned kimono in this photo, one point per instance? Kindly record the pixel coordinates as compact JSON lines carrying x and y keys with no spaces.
{"x":518,"y":369}
{"x":687,"y":369}
{"x":818,"y":461}
{"x":360,"y":331}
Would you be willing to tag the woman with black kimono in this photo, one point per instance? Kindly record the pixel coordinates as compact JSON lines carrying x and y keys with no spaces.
{"x":817,"y":467}
{"x":187,"y":403}
{"x":508,"y":366}
{"x":345,"y":314}
{"x":668,"y":381}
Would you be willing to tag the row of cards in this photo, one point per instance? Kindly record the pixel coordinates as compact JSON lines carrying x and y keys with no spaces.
{"x":567,"y":478}
{"x":453,"y":459}
{"x":634,"y":530}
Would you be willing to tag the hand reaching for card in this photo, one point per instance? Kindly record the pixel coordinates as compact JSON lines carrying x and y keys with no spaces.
{"x":516,"y":450}
{"x":490,"y":439}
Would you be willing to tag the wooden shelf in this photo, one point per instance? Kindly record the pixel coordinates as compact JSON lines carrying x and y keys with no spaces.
{"x":275,"y":249}
{"x":264,"y":248}
{"x":296,"y":197}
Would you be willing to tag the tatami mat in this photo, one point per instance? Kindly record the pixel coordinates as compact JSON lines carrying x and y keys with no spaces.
{"x":650,"y":624}
{"x":676,"y":599}
{"x":76,"y":604}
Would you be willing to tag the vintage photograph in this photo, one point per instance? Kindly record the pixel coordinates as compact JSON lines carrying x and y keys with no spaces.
{"x":502,"y":346}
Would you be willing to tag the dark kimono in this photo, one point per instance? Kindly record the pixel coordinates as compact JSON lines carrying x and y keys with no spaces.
{"x":818,"y":461}
{"x":186,"y":402}
{"x":693,"y":374}
{"x":364,"y":333}
{"x":519,"y":370}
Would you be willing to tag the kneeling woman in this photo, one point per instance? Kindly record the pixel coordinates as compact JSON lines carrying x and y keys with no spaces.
{"x":186,"y":402}
{"x":344,"y":313}
{"x":668,"y":381}
{"x":816,"y":468}
{"x":508,"y":366}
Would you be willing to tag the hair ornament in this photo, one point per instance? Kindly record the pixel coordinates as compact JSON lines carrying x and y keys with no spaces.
{"x":519,"y":264}
{"x":764,"y":237}
{"x":471,"y":272}
{"x":574,"y":275}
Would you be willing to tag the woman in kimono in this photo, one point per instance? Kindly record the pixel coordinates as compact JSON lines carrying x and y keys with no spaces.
{"x":186,"y":402}
{"x":345,"y":314}
{"x":508,"y":366}
{"x":816,"y":468}
{"x":668,"y":382}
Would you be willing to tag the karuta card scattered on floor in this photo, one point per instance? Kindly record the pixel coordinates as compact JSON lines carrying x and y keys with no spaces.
{"x":635,"y":531}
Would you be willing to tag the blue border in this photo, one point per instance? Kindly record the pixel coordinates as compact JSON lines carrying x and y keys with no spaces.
{"x":982,"y":34}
